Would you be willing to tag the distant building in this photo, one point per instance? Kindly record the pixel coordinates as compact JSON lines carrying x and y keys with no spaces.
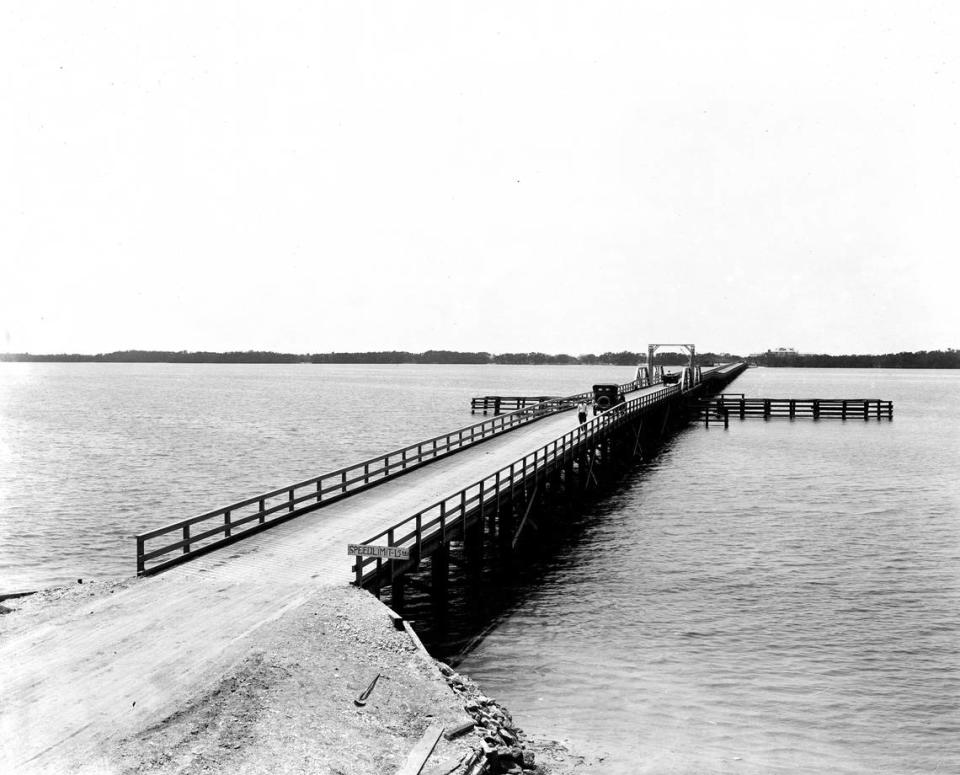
{"x":783,"y":352}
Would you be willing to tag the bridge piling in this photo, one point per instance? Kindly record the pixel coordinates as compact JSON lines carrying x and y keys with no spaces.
{"x":476,"y":535}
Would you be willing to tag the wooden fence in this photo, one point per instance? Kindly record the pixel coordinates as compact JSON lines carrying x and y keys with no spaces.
{"x":738,"y":405}
{"x":504,"y":403}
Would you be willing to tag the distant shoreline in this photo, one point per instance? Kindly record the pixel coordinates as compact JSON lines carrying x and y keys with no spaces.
{"x":922,"y":359}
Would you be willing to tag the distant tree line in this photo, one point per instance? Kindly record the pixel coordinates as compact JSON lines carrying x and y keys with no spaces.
{"x":924,"y":359}
{"x":623,"y":358}
{"x":400,"y":356}
{"x":162,"y":356}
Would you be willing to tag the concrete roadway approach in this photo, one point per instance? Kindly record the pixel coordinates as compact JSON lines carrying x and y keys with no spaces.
{"x":78,"y":684}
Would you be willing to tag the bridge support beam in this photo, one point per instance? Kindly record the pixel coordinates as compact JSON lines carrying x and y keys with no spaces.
{"x":396,"y":593}
{"x":440,"y":570}
{"x":473,"y":546}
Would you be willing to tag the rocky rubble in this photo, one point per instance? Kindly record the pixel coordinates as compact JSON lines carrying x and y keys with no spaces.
{"x":501,"y":748}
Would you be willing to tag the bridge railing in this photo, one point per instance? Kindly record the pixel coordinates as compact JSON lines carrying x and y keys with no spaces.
{"x":227,"y":524}
{"x":498,"y":403}
{"x":450,"y":513}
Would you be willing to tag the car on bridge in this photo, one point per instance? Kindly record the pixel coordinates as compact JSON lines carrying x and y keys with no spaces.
{"x":671,"y":377}
{"x":606,"y":395}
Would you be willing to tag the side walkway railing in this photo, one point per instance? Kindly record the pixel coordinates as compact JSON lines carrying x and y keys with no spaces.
{"x":204,"y":532}
{"x":500,"y":403}
{"x":433,"y":522}
{"x":506,"y":403}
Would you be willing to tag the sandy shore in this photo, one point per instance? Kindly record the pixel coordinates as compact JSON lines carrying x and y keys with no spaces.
{"x":288,"y":704}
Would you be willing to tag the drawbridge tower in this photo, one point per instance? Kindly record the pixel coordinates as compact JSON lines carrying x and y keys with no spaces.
{"x":690,"y":375}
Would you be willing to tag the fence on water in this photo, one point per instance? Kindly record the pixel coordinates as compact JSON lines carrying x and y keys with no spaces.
{"x":503,"y":403}
{"x":228,"y":524}
{"x":738,"y":405}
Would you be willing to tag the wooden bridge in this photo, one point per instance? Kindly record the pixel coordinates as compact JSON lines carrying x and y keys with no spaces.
{"x":187,"y":539}
{"x":105,"y":670}
{"x":489,"y":515}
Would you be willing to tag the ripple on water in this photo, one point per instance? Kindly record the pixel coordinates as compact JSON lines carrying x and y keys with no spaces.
{"x":777,"y":598}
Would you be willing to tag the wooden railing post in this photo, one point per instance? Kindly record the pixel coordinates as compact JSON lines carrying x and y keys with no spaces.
{"x":263,"y":507}
{"x":482,"y":492}
{"x":497,"y":497}
{"x":140,"y":563}
{"x":186,"y":537}
{"x":226,"y":522}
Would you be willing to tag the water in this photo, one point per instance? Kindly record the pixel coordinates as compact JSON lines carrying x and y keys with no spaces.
{"x":91,"y":454}
{"x":780,"y":597}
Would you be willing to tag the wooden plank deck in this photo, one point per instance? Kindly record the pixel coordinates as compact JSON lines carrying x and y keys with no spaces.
{"x":115,"y":666}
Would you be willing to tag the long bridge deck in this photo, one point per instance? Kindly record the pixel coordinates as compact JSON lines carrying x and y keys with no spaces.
{"x":128,"y":660}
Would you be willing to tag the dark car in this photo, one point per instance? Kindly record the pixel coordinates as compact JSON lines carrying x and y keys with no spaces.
{"x":671,"y":377}
{"x":605,"y":396}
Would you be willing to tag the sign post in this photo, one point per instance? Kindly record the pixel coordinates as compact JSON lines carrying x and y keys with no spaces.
{"x":385,"y":552}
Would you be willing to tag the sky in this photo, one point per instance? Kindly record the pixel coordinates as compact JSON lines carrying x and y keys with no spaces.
{"x":499,"y":176}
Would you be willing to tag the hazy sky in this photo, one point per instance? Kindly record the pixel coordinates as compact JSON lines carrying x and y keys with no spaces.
{"x":563,"y":177}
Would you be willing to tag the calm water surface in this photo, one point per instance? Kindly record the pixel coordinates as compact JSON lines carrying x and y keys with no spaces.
{"x":781,"y":597}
